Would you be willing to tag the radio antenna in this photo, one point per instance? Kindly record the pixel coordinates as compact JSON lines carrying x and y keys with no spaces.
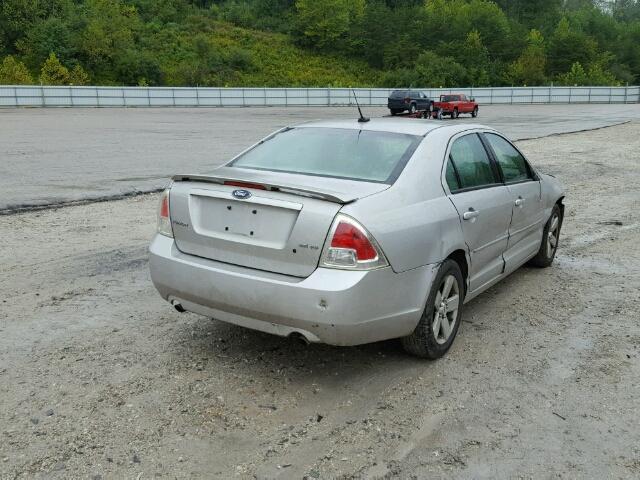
{"x":362,"y":118}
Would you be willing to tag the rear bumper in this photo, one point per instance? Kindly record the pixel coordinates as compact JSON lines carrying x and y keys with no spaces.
{"x":330,"y":306}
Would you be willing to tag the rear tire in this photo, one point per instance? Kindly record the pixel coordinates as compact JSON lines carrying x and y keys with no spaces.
{"x":474,"y":114}
{"x":442,"y":315}
{"x":394,"y":111}
{"x":454,"y":114}
{"x":550,"y":240}
{"x":439,"y":114}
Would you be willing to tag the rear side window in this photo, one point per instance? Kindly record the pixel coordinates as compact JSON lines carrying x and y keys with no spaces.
{"x":470,"y":166}
{"x":452,"y":177}
{"x":514,"y":166}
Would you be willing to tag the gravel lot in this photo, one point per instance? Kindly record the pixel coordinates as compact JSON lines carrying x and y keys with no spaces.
{"x":99,"y":378}
{"x":65,"y":154}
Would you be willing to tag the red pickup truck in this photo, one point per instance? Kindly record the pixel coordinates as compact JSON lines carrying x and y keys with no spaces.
{"x":454,"y":105}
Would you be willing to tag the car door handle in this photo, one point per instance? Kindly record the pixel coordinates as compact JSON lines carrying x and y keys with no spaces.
{"x":471,"y":214}
{"x":519,"y":202}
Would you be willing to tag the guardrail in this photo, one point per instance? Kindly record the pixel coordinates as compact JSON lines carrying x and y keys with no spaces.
{"x":44,"y":96}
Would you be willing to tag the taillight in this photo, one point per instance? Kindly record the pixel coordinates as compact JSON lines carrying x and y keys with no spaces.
{"x":164,"y":215}
{"x":350,"y":246}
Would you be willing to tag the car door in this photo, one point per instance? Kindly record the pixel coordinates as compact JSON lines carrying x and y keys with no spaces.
{"x":455,"y":103}
{"x":484,"y":205}
{"x":419,"y":101}
{"x":464,"y":104}
{"x":525,"y":231}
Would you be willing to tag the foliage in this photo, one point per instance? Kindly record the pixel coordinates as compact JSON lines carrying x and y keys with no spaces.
{"x":53,"y":72}
{"x":594,"y":75}
{"x":394,"y":43}
{"x":13,"y":72}
{"x":568,"y":46}
{"x":429,"y":70}
{"x":323,"y":23}
{"x":77,"y":76}
{"x":529,"y":68}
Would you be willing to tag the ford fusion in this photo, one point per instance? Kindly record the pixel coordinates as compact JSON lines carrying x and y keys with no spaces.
{"x":347,"y":232}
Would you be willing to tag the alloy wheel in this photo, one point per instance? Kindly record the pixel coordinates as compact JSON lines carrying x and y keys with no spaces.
{"x":552,"y":236}
{"x":446,"y":306}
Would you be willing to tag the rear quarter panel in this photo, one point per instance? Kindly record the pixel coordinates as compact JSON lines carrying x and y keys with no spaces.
{"x":413,"y":221}
{"x":552,"y":191}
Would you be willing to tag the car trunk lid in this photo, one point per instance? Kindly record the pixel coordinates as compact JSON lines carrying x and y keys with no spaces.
{"x":279,"y":226}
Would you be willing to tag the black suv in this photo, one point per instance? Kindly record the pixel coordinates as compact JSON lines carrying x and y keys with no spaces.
{"x":409,"y":100}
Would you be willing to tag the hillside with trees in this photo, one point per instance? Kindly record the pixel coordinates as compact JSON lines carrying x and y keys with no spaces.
{"x":265,"y":43}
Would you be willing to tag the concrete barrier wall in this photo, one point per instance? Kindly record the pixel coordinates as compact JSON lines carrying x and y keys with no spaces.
{"x":43,"y":96}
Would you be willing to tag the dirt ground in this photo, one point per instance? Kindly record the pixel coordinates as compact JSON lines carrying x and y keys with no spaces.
{"x":100,"y":378}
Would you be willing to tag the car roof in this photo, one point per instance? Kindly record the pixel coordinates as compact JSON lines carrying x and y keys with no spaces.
{"x":409,"y":126}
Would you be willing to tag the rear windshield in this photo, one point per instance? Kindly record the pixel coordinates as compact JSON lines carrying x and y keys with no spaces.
{"x":333,"y":152}
{"x":449,"y":98}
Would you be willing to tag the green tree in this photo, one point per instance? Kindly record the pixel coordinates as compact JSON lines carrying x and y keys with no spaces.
{"x":19,"y":16}
{"x":13,"y":72}
{"x":598,"y":75}
{"x":78,"y":76}
{"x":532,"y":12}
{"x":46,"y":36}
{"x":446,"y":21}
{"x":568,"y":46}
{"x":107,"y":34}
{"x":436,"y":71}
{"x":628,"y":52}
{"x":626,"y":10}
{"x":595,"y":74}
{"x":53,"y":72}
{"x":475,"y":57}
{"x":429,"y":70}
{"x":322,"y":23}
{"x":377,"y":33}
{"x":133,"y":66}
{"x":492,"y":25}
{"x":529,"y":68}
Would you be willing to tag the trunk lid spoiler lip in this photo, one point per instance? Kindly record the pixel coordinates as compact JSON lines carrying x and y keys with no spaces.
{"x":330,"y":196}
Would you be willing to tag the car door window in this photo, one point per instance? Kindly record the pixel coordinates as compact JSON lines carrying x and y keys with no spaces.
{"x":469,"y":166}
{"x":452,"y":177}
{"x":514,"y":166}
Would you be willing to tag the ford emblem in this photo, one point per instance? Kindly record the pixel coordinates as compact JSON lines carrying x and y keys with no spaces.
{"x":241,"y":194}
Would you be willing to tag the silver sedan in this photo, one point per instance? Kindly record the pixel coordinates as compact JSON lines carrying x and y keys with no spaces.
{"x":347,"y":232}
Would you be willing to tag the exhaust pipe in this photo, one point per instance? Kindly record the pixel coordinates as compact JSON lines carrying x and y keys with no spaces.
{"x":178,"y":306}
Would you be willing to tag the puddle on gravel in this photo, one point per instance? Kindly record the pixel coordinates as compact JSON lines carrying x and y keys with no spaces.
{"x":586,"y":239}
{"x":569,"y":356}
{"x":590,"y":264}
